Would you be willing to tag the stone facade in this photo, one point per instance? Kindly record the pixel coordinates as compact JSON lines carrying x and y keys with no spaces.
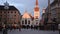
{"x":9,"y":14}
{"x":54,"y":10}
{"x":26,"y":19}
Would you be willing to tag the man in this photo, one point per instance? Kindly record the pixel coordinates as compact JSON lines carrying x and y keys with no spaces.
{"x":4,"y":29}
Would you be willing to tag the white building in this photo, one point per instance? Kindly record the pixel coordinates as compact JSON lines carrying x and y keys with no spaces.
{"x":27,"y":19}
{"x":36,"y":14}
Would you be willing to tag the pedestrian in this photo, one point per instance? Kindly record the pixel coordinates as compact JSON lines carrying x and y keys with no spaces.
{"x":10,"y":28}
{"x":19,"y":28}
{"x":4,"y":29}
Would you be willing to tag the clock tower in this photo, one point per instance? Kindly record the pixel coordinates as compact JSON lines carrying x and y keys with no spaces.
{"x":36,"y":11}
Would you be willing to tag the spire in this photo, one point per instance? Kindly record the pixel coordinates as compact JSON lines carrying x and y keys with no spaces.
{"x":36,"y":6}
{"x":36,"y":2}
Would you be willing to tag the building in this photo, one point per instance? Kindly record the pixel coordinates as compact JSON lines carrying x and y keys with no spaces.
{"x":28,"y":19}
{"x":36,"y":14}
{"x":43,"y":16}
{"x":54,"y":10}
{"x":36,"y":11}
{"x":9,"y":14}
{"x":54,"y":18}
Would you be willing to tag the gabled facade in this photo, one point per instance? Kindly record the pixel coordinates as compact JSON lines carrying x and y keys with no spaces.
{"x":9,"y":14}
{"x":26,"y":19}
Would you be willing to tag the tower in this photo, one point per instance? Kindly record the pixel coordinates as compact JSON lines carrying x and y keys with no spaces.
{"x":36,"y":14}
{"x":36,"y":11}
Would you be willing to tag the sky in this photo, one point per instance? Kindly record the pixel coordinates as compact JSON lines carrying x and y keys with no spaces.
{"x":28,"y":5}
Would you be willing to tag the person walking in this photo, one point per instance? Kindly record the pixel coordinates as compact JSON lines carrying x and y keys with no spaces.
{"x":4,"y":29}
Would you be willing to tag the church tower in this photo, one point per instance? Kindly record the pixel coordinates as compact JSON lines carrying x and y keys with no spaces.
{"x":36,"y":11}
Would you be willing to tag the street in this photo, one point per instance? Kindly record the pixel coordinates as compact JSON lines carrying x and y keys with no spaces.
{"x":31,"y":31}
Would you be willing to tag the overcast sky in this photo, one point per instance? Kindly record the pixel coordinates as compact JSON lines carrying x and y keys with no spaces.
{"x":28,"y":5}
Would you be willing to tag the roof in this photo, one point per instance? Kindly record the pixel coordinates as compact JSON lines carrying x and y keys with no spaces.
{"x":26,"y":15}
{"x":10,"y":7}
{"x":54,"y":2}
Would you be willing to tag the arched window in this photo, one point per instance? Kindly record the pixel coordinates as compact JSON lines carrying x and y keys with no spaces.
{"x":25,"y":21}
{"x":28,"y":22}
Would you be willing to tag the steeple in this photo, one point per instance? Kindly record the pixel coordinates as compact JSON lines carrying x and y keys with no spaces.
{"x":36,"y":6}
{"x":36,"y":2}
{"x":36,"y":10}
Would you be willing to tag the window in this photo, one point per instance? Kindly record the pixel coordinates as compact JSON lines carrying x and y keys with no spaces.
{"x":11,"y":12}
{"x":14,"y":15}
{"x":28,"y":22}
{"x":22,"y":22}
{"x":25,"y":21}
{"x":15,"y":11}
{"x":4,"y":12}
{"x":8,"y":12}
